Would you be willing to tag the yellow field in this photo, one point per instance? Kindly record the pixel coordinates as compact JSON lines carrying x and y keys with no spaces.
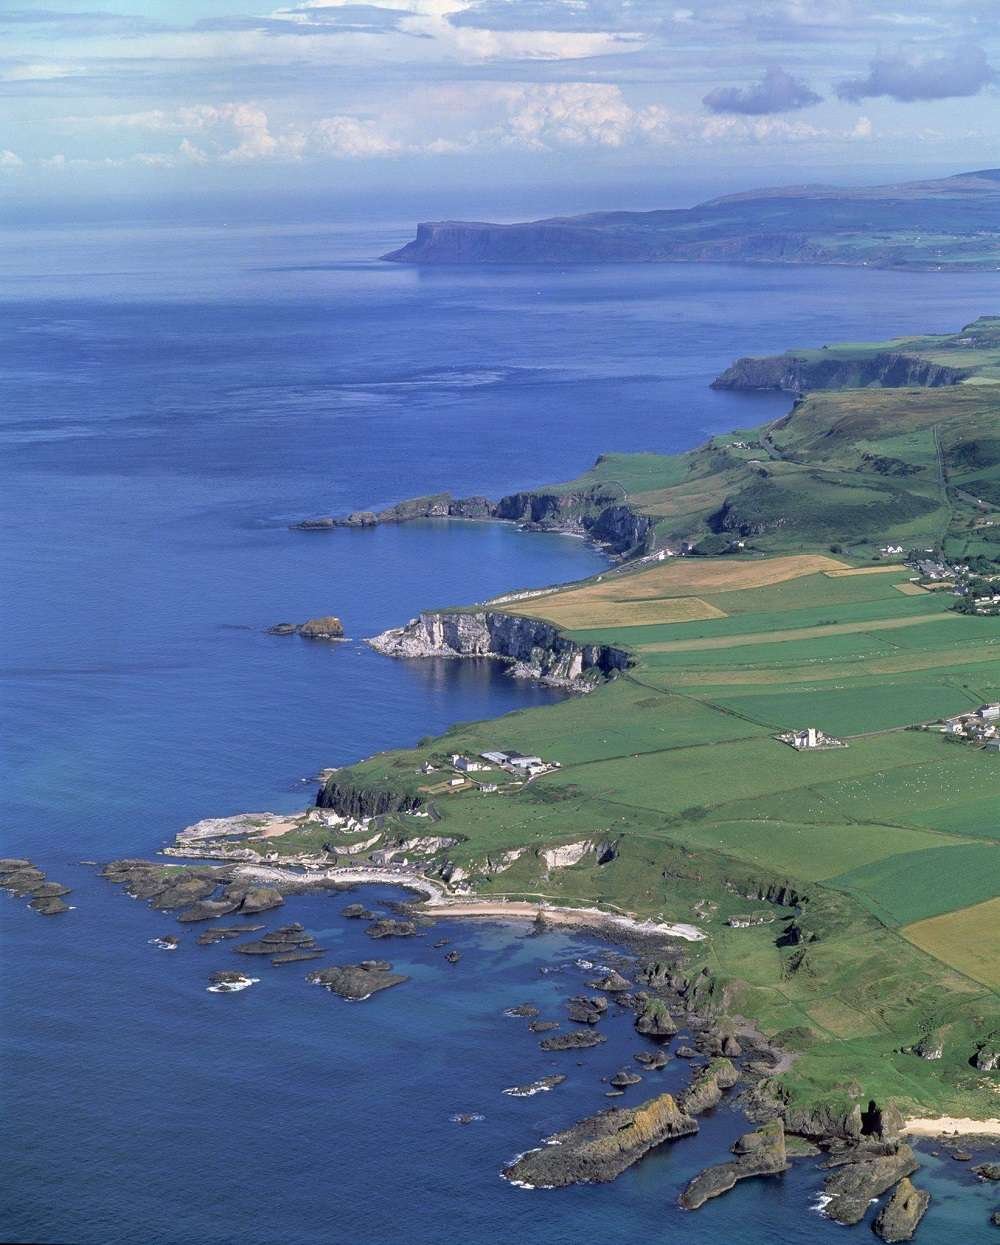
{"x":574,"y":610}
{"x":909,"y":590}
{"x":665,"y":587}
{"x":968,"y":940}
{"x":796,"y":633}
{"x":865,"y":570}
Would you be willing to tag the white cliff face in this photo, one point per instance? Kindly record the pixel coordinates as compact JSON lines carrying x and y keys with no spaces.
{"x":533,"y":648}
{"x":567,"y":855}
{"x":502,"y":861}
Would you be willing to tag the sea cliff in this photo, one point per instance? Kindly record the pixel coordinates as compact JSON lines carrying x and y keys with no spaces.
{"x":599,"y":512}
{"x":533,"y":648}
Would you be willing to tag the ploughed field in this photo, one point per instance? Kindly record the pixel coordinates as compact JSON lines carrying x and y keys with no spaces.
{"x":866,"y":874}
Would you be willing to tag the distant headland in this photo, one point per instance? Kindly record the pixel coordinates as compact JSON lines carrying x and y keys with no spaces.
{"x":948,"y":223}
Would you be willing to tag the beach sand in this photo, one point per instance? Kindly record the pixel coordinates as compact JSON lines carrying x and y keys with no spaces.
{"x":962,"y":1125}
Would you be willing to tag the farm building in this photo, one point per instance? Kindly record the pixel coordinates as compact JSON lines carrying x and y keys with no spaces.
{"x":466,"y":764}
{"x":497,"y":758}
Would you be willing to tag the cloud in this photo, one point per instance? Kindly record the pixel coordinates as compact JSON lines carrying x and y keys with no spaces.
{"x":10,"y":159}
{"x":777,"y":91}
{"x":964,"y":72}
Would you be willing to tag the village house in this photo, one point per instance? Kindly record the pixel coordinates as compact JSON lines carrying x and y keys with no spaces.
{"x":809,"y":738}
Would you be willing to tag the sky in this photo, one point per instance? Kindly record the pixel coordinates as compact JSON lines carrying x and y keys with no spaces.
{"x":521,"y":103}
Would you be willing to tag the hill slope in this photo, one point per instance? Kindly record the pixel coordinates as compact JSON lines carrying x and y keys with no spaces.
{"x":951,"y":222}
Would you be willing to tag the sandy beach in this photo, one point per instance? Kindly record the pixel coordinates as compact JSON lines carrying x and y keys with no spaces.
{"x":440,"y":904}
{"x":961,"y":1125}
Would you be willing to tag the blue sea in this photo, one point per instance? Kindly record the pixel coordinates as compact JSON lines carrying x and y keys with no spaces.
{"x":171,"y":399}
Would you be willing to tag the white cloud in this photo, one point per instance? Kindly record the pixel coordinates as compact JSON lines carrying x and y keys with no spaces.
{"x":10,"y":159}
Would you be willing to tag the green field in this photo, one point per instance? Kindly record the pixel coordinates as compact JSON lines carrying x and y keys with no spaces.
{"x":675,"y":762}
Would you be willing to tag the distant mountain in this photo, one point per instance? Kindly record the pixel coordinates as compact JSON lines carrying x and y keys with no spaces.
{"x":950,"y":222}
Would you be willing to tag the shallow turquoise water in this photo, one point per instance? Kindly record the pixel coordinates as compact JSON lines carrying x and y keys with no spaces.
{"x":170,"y":401}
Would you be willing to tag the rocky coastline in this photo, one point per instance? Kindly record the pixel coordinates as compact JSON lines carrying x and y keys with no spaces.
{"x":599,"y":513}
{"x":795,"y":374}
{"x":530,"y":647}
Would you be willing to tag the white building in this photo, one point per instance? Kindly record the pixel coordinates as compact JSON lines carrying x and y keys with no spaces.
{"x":497,"y":758}
{"x":466,"y":764}
{"x":989,"y":713}
{"x":520,"y":761}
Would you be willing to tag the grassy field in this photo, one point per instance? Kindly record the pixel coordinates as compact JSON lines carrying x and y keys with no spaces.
{"x":890,"y":844}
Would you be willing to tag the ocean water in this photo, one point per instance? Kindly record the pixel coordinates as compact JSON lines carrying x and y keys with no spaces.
{"x":170,"y":400}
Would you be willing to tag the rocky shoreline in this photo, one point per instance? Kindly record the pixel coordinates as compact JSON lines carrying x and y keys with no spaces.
{"x":862,"y":1152}
{"x":598,"y":513}
{"x":532,"y":648}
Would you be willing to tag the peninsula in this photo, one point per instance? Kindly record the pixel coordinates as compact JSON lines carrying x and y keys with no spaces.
{"x":794,"y":584}
{"x":781,"y":790}
{"x":947,"y":223}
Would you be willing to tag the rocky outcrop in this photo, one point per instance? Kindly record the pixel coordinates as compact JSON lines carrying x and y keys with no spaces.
{"x":866,"y":1174}
{"x":388,"y":927}
{"x":655,"y":1020}
{"x":598,"y":512}
{"x":541,"y":1086}
{"x":760,"y":1153}
{"x":329,"y":627}
{"x":363,"y":802}
{"x":601,"y":1147}
{"x":22,"y":878}
{"x":900,"y":1216}
{"x":357,"y":981}
{"x":705,"y":1091}
{"x":586,"y":1011}
{"x":580,"y":1039}
{"x":534,"y":648}
{"x":795,"y":374}
{"x":821,"y":1121}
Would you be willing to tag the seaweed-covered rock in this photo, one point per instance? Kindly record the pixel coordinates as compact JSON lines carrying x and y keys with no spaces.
{"x":760,"y":1153}
{"x":357,"y":912}
{"x":528,"y":1010}
{"x":867,"y":1175}
{"x":256,"y":899}
{"x":357,"y":981}
{"x":579,"y":1039}
{"x":206,"y":910}
{"x":611,"y":983}
{"x":48,"y":906}
{"x":586,"y":1011}
{"x":625,"y":1078}
{"x":387,"y":927}
{"x":286,"y":938}
{"x":655,"y":1020}
{"x":988,"y":1171}
{"x":601,"y":1147}
{"x":230,"y":983}
{"x":899,"y":1217}
{"x":653,"y":1060}
{"x":218,"y":933}
{"x":543,"y":1026}
{"x":540,"y":1086}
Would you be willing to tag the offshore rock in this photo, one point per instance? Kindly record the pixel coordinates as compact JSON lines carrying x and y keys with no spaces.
{"x":579,"y":1039}
{"x":387,"y":927}
{"x":357,"y":981}
{"x":655,"y":1020}
{"x":867,"y":1175}
{"x":899,"y":1217}
{"x":535,"y":648}
{"x":760,"y":1153}
{"x":328,"y":627}
{"x":586,"y":1011}
{"x":601,"y":1147}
